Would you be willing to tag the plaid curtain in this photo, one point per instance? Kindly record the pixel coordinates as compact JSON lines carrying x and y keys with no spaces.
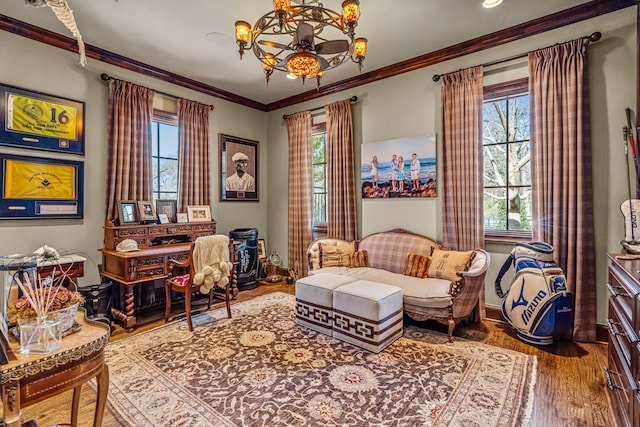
{"x":193,"y":167}
{"x":341,"y":203}
{"x":300,"y":191}
{"x":462,"y":155}
{"x":561,"y":170}
{"x":462,"y":213}
{"x":130,"y":112}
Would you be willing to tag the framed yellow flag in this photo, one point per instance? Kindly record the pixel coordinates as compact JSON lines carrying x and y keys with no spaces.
{"x":45,"y":122}
{"x":35,"y":187}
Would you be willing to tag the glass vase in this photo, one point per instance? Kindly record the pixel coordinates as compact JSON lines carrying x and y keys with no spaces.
{"x":39,"y":336}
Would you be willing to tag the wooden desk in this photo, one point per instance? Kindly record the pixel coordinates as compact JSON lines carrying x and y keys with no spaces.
{"x":144,"y":265}
{"x":157,"y":243}
{"x":31,"y":378}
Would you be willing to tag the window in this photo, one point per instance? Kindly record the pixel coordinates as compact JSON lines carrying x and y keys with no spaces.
{"x":507,"y":160}
{"x":164,"y":155}
{"x":319,"y":161}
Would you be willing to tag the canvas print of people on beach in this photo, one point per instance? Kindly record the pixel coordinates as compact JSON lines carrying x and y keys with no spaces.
{"x":403,"y":167}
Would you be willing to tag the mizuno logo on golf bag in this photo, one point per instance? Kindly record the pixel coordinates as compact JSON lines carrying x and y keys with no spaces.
{"x":526,"y":315}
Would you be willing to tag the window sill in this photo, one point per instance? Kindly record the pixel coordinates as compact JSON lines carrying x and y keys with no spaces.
{"x":508,"y":237}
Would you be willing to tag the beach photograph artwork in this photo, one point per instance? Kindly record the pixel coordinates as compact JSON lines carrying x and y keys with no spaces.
{"x":404,"y":167}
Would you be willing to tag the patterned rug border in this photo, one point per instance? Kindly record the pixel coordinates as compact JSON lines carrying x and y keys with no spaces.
{"x":219,"y":314}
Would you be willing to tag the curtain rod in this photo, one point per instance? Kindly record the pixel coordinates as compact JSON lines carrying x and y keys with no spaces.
{"x":352,"y":99}
{"x":106,"y":77}
{"x":593,"y":37}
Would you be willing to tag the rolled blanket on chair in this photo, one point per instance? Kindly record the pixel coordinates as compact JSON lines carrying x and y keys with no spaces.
{"x":211,"y":262}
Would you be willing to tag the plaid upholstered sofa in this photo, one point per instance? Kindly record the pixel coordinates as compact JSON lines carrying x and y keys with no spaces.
{"x":446,"y":301}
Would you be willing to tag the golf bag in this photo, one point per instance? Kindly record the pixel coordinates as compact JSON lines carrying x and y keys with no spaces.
{"x":538,"y":304}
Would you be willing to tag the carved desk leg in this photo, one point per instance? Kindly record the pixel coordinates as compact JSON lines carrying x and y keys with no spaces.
{"x":127,"y":317}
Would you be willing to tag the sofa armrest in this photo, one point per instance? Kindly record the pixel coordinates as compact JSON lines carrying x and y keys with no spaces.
{"x":313,"y":252}
{"x":466,"y":291}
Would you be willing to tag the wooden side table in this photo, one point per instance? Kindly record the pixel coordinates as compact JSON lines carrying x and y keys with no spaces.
{"x":31,"y":378}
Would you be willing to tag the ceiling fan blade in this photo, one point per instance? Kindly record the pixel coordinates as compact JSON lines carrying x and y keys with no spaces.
{"x":304,"y":33}
{"x":274,"y":44}
{"x":332,"y":46}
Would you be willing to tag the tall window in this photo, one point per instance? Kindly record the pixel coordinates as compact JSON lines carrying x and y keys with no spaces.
{"x":164,"y":155}
{"x":319,"y":160}
{"x":507,"y":160}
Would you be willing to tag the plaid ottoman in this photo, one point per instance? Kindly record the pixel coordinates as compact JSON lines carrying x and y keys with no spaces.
{"x":367,"y":314}
{"x":314,"y":300}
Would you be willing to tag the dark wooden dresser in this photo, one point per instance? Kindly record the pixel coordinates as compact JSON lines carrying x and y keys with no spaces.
{"x":623,"y":371}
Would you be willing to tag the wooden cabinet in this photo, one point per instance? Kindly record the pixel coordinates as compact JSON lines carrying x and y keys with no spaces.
{"x":623,"y":370}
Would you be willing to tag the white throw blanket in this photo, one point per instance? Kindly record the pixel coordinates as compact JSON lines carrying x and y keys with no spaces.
{"x":211,"y":262}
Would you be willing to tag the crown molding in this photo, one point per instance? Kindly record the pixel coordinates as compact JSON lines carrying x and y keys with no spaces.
{"x":540,"y":25}
{"x":569,"y":16}
{"x":42,"y":35}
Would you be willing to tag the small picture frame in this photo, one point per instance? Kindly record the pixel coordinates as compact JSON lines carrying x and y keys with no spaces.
{"x":199,"y":213}
{"x":262,"y":249}
{"x":128,"y":212}
{"x":164,"y":219}
{"x":146,"y":211}
{"x":182,"y":217}
{"x":167,"y":207}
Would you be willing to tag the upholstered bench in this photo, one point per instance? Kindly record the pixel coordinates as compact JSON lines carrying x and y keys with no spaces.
{"x":367,"y":314}
{"x":314,"y":300}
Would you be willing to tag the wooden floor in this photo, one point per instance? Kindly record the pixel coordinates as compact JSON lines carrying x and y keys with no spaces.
{"x":570,"y":388}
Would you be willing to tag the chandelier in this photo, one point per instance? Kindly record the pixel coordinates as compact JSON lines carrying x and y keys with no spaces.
{"x":295,"y":38}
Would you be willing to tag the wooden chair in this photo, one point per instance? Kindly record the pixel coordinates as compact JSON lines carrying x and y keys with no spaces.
{"x":180,"y":282}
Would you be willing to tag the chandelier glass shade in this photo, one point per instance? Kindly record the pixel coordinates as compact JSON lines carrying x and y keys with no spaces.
{"x":302,"y":38}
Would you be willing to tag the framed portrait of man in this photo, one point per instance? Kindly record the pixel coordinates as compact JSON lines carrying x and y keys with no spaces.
{"x":238,"y":169}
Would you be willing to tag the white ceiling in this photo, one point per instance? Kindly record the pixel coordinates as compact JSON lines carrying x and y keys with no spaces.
{"x":176,"y":36}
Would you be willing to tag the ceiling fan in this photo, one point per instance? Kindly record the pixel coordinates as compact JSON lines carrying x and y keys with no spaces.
{"x":308,"y":50}
{"x":304,"y":42}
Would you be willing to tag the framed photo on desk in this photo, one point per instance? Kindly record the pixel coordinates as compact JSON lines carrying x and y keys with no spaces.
{"x":146,"y":211}
{"x":167,"y":207}
{"x":128,"y":212}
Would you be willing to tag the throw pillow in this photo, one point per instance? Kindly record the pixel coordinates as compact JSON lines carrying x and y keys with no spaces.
{"x":359,"y":259}
{"x":336,"y":255}
{"x":417,"y":265}
{"x":447,"y":264}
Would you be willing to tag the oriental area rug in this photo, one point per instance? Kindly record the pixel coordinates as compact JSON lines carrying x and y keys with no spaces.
{"x":260,"y":369}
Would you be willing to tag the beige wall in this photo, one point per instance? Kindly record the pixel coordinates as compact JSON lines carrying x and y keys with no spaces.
{"x":405,"y":105}
{"x":409,"y":104}
{"x":36,"y":66}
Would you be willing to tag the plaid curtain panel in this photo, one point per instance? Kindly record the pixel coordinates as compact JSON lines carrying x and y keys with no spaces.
{"x":130,"y":111}
{"x":462,"y":154}
{"x":300,"y":191}
{"x":341,"y":203}
{"x":462,"y":213}
{"x":193,"y":161}
{"x":561,"y":170}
